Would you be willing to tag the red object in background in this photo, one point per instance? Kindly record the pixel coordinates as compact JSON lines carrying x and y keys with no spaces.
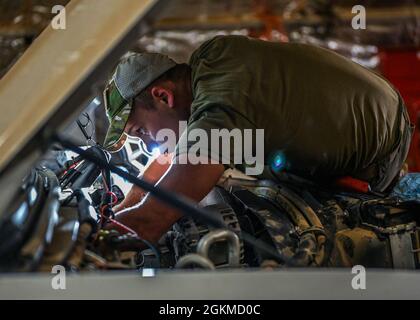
{"x":402,"y":68}
{"x":352,"y":184}
{"x":273,"y":24}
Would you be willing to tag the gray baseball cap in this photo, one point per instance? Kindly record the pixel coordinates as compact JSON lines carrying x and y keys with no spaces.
{"x":132,"y":75}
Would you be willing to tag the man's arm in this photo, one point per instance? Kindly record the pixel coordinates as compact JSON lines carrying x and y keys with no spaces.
{"x":152,"y":218}
{"x":153,"y":173}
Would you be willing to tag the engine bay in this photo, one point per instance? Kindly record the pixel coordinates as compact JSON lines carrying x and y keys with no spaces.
{"x":61,"y":213}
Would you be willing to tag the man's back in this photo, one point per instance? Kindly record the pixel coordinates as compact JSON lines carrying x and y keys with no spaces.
{"x":328,"y":115}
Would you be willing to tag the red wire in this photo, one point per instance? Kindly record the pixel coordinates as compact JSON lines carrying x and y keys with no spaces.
{"x":71,"y":167}
{"x":115,"y":200}
{"x":121,"y":225}
{"x":74,"y":165}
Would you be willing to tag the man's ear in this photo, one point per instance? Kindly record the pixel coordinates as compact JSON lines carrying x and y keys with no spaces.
{"x":163,"y":95}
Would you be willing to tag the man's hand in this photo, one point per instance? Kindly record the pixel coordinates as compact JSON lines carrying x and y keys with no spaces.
{"x":153,"y":173}
{"x":152,"y":218}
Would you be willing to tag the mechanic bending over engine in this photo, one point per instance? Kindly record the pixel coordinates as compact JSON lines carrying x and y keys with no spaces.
{"x":328,"y":116}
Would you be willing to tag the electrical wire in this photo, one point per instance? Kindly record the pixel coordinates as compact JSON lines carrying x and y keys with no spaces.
{"x":74,"y":165}
{"x":153,"y":248}
{"x":104,"y":207}
{"x":134,"y":233}
{"x":124,"y":227}
{"x":181,"y":203}
{"x":129,"y":230}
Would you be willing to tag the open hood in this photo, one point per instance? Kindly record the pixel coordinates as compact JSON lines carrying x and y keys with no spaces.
{"x":58,"y":74}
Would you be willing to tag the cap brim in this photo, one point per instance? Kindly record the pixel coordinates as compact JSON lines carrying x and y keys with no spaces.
{"x":115,"y":136}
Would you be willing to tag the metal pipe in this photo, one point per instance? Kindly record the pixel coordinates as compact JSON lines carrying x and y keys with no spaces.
{"x":205,"y":243}
{"x":194,"y":259}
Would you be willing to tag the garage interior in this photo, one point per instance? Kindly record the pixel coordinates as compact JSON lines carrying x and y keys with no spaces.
{"x":242,"y":224}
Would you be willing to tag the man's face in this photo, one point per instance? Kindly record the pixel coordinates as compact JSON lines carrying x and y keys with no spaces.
{"x":145,"y":122}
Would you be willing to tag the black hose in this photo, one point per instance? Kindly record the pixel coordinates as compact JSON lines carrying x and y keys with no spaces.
{"x":153,"y":248}
{"x":186,"y":206}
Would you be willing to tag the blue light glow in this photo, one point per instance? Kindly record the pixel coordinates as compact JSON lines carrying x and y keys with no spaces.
{"x":278,"y":161}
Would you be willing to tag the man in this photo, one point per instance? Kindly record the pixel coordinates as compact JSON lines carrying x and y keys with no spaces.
{"x":327,"y":116}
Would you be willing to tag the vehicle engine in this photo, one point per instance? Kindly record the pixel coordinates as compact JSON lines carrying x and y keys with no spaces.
{"x":59,"y":214}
